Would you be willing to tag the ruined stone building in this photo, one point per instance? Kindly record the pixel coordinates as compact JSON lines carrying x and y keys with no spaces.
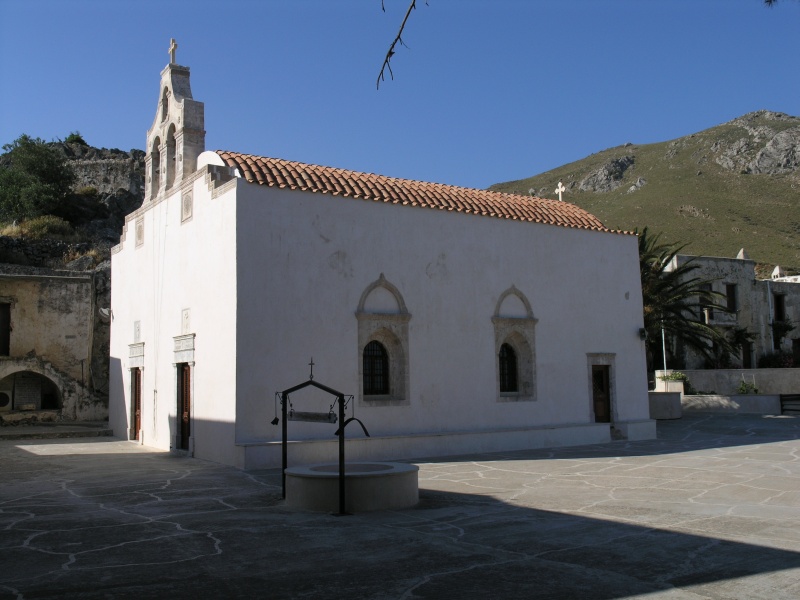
{"x":459,"y":320}
{"x":52,"y":354}
{"x":767,"y":310}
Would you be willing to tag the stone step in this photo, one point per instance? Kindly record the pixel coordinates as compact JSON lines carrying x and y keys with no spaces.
{"x":49,"y":431}
{"x":790,"y":404}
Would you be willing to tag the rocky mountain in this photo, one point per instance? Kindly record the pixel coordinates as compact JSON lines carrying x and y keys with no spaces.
{"x":733,"y":186}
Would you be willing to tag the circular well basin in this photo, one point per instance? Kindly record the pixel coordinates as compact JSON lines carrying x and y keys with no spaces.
{"x":368,"y":486}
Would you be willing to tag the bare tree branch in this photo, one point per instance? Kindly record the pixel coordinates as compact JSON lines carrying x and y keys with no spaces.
{"x":397,"y":40}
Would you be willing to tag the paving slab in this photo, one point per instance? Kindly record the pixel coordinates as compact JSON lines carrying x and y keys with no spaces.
{"x":711,"y":509}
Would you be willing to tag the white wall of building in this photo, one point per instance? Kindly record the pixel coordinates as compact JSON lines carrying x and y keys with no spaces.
{"x":304,"y":259}
{"x":274,"y":277}
{"x":182,"y":264}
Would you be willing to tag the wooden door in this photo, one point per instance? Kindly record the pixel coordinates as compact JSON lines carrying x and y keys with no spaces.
{"x":601,"y":393}
{"x":136,"y":393}
{"x":184,"y":405}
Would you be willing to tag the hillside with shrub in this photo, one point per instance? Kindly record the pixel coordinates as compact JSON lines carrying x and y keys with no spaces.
{"x":733,"y":186}
{"x":68,"y":193}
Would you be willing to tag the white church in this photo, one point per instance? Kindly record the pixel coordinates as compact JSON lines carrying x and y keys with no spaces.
{"x":455,"y":320}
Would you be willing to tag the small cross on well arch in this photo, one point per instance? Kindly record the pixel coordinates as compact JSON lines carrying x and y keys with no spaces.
{"x":560,"y":190}
{"x":173,"y":46}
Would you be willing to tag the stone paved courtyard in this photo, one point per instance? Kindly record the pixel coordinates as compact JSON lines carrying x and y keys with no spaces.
{"x":709,"y":510}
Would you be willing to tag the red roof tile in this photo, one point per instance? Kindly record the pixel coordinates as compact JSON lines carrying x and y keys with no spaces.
{"x":280,"y":173}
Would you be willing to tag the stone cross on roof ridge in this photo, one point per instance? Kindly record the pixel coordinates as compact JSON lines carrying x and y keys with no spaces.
{"x":560,"y":190}
{"x":173,"y":46}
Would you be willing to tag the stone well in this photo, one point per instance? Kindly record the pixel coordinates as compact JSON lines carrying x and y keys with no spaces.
{"x":368,"y":486}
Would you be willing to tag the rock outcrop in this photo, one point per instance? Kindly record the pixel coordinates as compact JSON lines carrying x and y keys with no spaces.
{"x":768,"y":142}
{"x":608,"y":177}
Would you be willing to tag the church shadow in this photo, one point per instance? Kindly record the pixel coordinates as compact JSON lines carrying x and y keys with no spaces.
{"x":452,"y":544}
{"x":550,"y":554}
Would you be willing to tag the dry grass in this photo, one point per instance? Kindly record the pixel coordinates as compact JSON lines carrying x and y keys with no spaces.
{"x":39,"y":228}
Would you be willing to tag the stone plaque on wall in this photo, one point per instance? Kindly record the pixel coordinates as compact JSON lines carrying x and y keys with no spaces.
{"x":186,"y":206}
{"x":139,"y":231}
{"x":185,"y":314}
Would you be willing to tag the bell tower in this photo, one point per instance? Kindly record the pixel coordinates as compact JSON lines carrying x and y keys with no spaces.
{"x":177,"y":136}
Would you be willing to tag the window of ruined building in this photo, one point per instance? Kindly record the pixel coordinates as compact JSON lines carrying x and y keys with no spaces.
{"x":730,"y":293}
{"x":780,"y":307}
{"x":5,"y":329}
{"x":706,"y":302}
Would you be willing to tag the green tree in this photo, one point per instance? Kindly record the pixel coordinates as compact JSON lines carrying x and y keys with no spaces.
{"x":34,"y":178}
{"x":672,"y":297}
{"x":75,"y":137}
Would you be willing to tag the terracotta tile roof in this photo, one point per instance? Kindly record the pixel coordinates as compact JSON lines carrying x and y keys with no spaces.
{"x":280,"y":173}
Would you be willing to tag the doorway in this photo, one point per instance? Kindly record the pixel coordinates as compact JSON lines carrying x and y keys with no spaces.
{"x":601,"y":393}
{"x":747,"y":354}
{"x":136,"y":403}
{"x":184,"y":405}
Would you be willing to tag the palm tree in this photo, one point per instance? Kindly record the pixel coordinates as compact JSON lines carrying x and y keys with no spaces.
{"x":674,"y":299}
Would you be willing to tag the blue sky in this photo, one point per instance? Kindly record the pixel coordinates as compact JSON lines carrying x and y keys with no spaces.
{"x":489,"y":90}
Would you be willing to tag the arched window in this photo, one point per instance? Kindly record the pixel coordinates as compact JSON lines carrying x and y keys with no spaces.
{"x":508,"y":369}
{"x":515,"y":347}
{"x":382,"y":345}
{"x":375,"y":369}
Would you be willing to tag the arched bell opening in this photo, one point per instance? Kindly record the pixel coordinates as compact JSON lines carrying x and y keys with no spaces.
{"x":172,"y":153}
{"x":155,"y":166}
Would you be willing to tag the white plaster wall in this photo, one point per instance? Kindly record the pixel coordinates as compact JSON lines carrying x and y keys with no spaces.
{"x":179,"y":266}
{"x":424,"y":445}
{"x":304,"y":259}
